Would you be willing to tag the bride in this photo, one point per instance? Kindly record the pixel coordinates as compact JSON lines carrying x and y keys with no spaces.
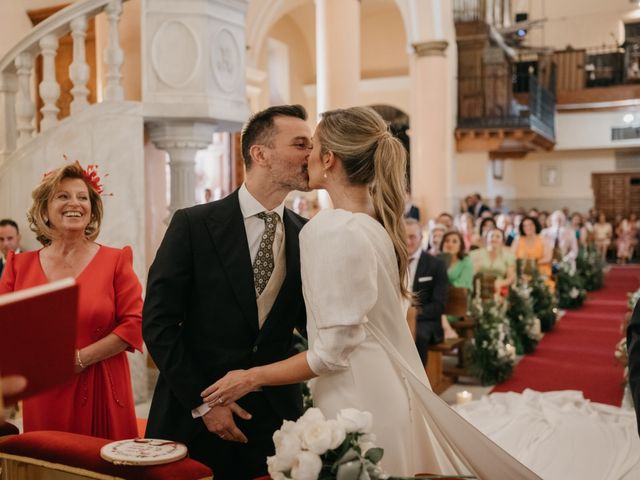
{"x":354,"y":264}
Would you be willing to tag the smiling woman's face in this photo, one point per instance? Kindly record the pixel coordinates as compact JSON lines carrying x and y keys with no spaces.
{"x":69,"y":208}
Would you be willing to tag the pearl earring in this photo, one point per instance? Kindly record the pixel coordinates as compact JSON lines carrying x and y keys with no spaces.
{"x":325,"y":174}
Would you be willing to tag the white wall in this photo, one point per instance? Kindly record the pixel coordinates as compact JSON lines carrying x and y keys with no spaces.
{"x":523,"y":183}
{"x":587,"y":130}
{"x":579,"y":23}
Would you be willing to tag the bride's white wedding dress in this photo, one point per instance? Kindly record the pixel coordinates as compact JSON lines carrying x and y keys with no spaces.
{"x":362,"y":350}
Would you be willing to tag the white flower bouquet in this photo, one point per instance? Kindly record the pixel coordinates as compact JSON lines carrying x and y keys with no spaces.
{"x":314,"y":448}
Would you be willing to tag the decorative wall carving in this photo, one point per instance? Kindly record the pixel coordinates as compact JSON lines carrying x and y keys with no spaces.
{"x":226,"y":60}
{"x":175,"y":53}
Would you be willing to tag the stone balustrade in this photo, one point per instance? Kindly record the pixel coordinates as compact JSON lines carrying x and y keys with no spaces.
{"x":17,"y":92}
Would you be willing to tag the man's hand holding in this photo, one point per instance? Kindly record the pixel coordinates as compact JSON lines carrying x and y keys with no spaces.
{"x":219,"y":420}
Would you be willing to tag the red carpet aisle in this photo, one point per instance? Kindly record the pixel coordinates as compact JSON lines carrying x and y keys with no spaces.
{"x":578,"y":353}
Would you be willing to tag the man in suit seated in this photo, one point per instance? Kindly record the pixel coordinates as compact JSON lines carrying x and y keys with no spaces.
{"x":9,"y":240}
{"x":428,"y":280}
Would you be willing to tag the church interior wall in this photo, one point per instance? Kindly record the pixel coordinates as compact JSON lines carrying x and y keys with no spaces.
{"x":581,"y":24}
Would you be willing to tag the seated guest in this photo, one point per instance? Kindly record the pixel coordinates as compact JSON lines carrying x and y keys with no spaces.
{"x":65,"y":215}
{"x":495,"y":259}
{"x":484,"y":224}
{"x":562,"y":239}
{"x":436,"y":233}
{"x":577,"y":224}
{"x":9,"y":240}
{"x":530,"y":246}
{"x":477,"y":208}
{"x":466,"y":226}
{"x":459,"y":273}
{"x":445,"y":219}
{"x":602,"y":234}
{"x":428,"y":281}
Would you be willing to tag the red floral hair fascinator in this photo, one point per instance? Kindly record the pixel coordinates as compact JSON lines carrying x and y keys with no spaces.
{"x":90,"y":174}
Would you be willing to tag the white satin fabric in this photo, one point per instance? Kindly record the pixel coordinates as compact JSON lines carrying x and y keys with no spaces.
{"x":561,"y":435}
{"x":362,"y":350}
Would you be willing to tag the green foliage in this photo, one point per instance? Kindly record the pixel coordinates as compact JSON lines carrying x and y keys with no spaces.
{"x":569,"y":287}
{"x":492,"y":353}
{"x":589,"y":266}
{"x":525,"y":328}
{"x":545,"y":305}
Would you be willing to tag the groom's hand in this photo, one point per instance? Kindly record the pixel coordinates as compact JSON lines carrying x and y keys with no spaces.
{"x":219,"y":420}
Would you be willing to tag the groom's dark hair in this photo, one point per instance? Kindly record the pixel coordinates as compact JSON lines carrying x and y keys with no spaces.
{"x":260,"y":128}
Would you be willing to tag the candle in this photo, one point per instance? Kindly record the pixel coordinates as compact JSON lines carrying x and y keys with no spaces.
{"x":463,"y":397}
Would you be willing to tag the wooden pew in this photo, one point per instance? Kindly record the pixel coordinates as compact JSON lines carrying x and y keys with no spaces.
{"x":457,"y":306}
{"x":439,"y":381}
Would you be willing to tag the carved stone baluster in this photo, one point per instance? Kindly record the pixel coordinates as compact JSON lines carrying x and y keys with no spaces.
{"x":79,"y":70}
{"x":8,"y":132}
{"x":49,"y":88}
{"x":25,"y":107}
{"x":113,"y":53}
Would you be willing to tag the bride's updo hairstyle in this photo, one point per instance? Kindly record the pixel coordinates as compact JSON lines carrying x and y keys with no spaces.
{"x":370,"y":155}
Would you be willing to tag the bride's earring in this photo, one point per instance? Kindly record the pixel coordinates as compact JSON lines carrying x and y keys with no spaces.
{"x":325,"y":174}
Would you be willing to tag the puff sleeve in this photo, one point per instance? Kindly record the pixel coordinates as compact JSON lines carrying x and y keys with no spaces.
{"x":339,"y":272}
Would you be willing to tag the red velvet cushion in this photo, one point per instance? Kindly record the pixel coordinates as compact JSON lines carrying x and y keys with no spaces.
{"x":81,"y":451}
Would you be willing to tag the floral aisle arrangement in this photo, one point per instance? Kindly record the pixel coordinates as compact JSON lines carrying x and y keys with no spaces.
{"x":569,"y":287}
{"x":525,"y":326}
{"x":590,"y":268}
{"x":314,"y":448}
{"x":492,"y":354}
{"x":545,"y":305}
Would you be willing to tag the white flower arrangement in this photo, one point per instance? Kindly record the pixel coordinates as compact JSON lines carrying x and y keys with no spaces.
{"x":342,"y":446}
{"x":315,"y":448}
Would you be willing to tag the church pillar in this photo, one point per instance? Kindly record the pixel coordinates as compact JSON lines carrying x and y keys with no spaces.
{"x":181,"y":139}
{"x":430,"y":128}
{"x":337,"y":53}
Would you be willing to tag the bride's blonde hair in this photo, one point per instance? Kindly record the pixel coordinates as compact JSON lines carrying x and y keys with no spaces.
{"x":370,"y":155}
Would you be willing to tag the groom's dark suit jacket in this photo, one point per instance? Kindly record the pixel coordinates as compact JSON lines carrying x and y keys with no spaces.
{"x":200,"y":316}
{"x":633,"y":349}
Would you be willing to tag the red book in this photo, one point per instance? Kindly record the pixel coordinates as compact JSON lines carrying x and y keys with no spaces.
{"x":38,"y":335}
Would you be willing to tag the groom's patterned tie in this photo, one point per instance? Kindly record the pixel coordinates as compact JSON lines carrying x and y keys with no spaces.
{"x":264,"y":262}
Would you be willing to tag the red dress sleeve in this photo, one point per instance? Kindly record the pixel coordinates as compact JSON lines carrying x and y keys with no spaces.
{"x":128,"y":295}
{"x":8,"y":279}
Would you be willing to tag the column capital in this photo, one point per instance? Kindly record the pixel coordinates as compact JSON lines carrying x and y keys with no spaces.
{"x":433,"y":48}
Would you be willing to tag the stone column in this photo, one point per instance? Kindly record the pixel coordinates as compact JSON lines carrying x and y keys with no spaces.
{"x":181,"y":139}
{"x":337,"y":59}
{"x":430,"y":128}
{"x":337,"y":53}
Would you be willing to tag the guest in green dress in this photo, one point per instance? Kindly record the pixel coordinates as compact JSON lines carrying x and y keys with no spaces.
{"x":495,"y":259}
{"x":459,"y":271}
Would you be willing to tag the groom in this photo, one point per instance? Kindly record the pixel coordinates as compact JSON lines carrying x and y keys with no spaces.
{"x":223,"y":294}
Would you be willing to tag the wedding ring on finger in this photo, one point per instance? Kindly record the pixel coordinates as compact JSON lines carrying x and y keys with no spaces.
{"x":221,"y":436}
{"x":221,"y":400}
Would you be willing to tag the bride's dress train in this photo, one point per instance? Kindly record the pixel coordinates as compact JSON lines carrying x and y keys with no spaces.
{"x":360,"y":344}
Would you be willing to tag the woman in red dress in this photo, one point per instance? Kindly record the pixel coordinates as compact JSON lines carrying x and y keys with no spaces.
{"x":66,"y":215}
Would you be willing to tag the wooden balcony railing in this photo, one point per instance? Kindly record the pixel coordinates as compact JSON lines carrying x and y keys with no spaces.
{"x":487,"y":103}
